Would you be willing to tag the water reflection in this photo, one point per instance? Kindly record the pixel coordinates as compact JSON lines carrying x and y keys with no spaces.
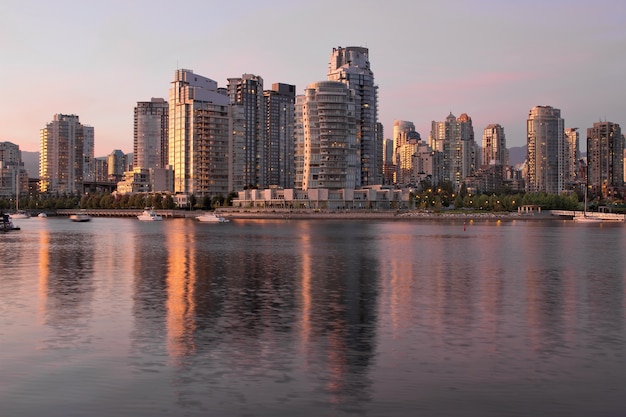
{"x":66,"y":286}
{"x":313,"y":318}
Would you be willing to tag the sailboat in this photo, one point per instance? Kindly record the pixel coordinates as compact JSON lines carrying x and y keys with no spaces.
{"x":585,"y":218}
{"x":18,"y":214}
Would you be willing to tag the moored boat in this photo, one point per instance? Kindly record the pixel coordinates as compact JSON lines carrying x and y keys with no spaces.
{"x":212,"y":218}
{"x":80,"y":217}
{"x":150,"y":216}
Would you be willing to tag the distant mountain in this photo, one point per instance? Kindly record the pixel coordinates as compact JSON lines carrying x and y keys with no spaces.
{"x":31,"y":163}
{"x":517,"y":155}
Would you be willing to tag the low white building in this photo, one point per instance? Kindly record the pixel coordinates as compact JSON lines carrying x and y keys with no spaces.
{"x":375,"y":197}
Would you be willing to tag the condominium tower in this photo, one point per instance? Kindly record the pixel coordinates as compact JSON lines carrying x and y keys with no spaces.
{"x":454,"y":139}
{"x":150,"y":134}
{"x":494,"y":146}
{"x":572,"y":154}
{"x":248,"y":156}
{"x":13,"y":175}
{"x":605,"y":158}
{"x":351,"y":66}
{"x":547,"y":168}
{"x":405,"y":140}
{"x":328,"y":151}
{"x":198,"y":135}
{"x":279,"y":149}
{"x":65,"y":155}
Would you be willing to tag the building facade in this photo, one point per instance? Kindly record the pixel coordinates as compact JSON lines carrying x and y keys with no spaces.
{"x":547,"y":168}
{"x":13,"y":175}
{"x":249,"y":144}
{"x":572,"y":155}
{"x":64,"y":147}
{"x":454,"y":139}
{"x":605,"y":162}
{"x":351,"y":66}
{"x":329,"y":144}
{"x":199,"y":129}
{"x":494,"y":146}
{"x":280,"y":111}
{"x":150,"y":134}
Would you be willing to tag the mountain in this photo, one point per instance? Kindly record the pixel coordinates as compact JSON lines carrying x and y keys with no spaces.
{"x":31,"y":163}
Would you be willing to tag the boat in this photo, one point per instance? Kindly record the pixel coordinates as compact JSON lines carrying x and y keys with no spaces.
{"x":586,"y":217}
{"x":42,"y":215}
{"x":150,"y":216}
{"x":212,"y":218}
{"x":80,"y":217}
{"x":6,"y":225}
{"x":19,"y":214}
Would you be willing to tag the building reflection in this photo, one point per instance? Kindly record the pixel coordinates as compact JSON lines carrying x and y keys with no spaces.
{"x":66,"y":284}
{"x":339,"y":294}
{"x":181,"y":281}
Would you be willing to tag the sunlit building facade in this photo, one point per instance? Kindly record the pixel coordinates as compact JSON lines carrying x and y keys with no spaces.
{"x":351,"y":66}
{"x":494,"y":151}
{"x":405,"y":140}
{"x":199,"y":129}
{"x":65,"y":145}
{"x":454,"y":139}
{"x":605,"y":163}
{"x":150,"y":134}
{"x":547,"y":163}
{"x":329,"y":137}
{"x":572,"y":155}
{"x":249,"y":151}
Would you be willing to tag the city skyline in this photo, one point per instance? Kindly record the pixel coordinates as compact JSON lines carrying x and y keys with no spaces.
{"x":491,"y":60}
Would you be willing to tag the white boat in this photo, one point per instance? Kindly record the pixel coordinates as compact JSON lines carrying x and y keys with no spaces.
{"x":20,"y":215}
{"x":80,"y":217}
{"x":588,"y":217}
{"x":149,"y":216}
{"x":212,"y":218}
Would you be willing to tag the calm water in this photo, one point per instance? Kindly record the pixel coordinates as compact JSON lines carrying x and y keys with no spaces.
{"x":116,"y":317}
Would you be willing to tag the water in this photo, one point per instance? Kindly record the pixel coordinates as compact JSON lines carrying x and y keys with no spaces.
{"x":118,"y":317}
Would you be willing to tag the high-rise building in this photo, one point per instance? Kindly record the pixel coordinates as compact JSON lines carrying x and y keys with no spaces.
{"x":199,"y":129}
{"x":605,"y":163}
{"x":547,"y":168}
{"x":494,"y":146}
{"x":405,"y":140}
{"x":572,"y":155}
{"x":248,"y":157}
{"x":150,"y":134}
{"x":454,"y":138}
{"x":389,"y":167}
{"x":117,"y":163}
{"x":329,"y":146}
{"x":279,"y":153}
{"x":65,"y":145}
{"x":351,"y":66}
{"x":13,"y":175}
{"x":299,"y":148}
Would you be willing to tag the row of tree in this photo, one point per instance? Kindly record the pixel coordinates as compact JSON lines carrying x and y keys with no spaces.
{"x":437,"y":198}
{"x":114,"y":201}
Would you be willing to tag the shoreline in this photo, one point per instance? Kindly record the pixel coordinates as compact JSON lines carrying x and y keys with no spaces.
{"x":321,"y":214}
{"x":380,"y":215}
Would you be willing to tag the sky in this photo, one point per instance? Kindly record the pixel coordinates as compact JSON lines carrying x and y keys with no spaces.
{"x":491,"y":59}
